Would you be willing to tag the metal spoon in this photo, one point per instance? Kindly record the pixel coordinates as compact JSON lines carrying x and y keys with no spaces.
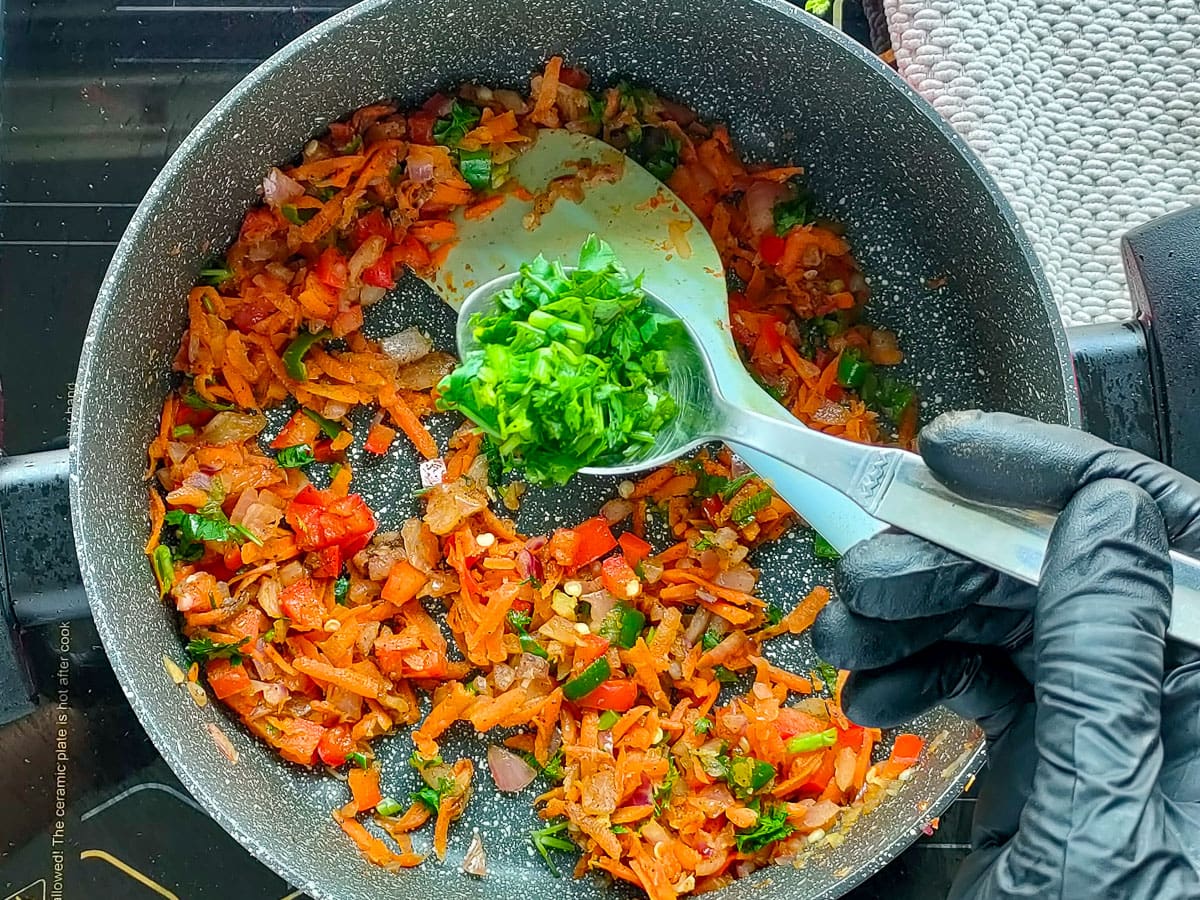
{"x":719,"y":400}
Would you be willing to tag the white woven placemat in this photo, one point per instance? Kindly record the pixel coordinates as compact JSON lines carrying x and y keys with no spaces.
{"x":1087,"y":113}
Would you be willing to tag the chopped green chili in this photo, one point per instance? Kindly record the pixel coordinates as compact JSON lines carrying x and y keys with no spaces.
{"x":587,"y":680}
{"x":807,"y":743}
{"x":293,"y":356}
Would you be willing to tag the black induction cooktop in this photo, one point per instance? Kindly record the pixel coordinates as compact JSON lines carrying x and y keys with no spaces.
{"x":95,"y":95}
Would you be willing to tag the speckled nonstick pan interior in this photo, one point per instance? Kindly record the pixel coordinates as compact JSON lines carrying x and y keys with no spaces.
{"x":915,"y":205}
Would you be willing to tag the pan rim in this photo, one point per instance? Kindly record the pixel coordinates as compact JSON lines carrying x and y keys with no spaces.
{"x":171,"y":751}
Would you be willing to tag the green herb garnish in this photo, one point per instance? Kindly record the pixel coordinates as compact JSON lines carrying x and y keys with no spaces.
{"x":452,"y":128}
{"x":711,"y":639}
{"x":204,"y":649}
{"x":341,"y":590}
{"x":772,"y":825}
{"x":207,"y":524}
{"x":744,"y":511}
{"x":773,"y":614}
{"x":828,"y":673}
{"x":520,"y":623}
{"x":476,"y":167}
{"x":702,"y":726}
{"x":791,"y":213}
{"x":570,"y":369}
{"x":295,"y":215}
{"x":822,"y":549}
{"x":295,"y":457}
{"x":216,"y":275}
{"x":724,"y":675}
{"x":359,"y":759}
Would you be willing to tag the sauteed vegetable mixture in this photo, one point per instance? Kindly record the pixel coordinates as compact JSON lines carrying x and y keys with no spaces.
{"x":600,"y":653}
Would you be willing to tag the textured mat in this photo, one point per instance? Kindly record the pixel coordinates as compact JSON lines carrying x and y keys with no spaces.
{"x":1087,"y":113}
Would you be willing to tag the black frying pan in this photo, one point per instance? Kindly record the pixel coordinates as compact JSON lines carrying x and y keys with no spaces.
{"x":916,"y":207}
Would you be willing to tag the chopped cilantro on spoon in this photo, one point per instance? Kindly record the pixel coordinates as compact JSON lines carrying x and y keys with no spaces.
{"x":570,"y":369}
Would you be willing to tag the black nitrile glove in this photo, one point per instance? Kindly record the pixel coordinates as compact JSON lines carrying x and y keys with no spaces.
{"x":1092,"y":720}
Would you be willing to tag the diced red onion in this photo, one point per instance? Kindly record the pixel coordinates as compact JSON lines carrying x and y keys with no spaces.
{"x":643,"y":795}
{"x":529,"y":565}
{"x":279,"y":189}
{"x":532,"y":668}
{"x":696,"y":626}
{"x":509,"y":771}
{"x":291,"y":573}
{"x":602,"y":603}
{"x":503,"y":676}
{"x":420,"y":170}
{"x":536,"y":543}
{"x":616,"y":510}
{"x":406,"y":346}
{"x":369,"y":295}
{"x":268,"y":597}
{"x":742,"y":580}
{"x":274,"y":694}
{"x":761,"y":198}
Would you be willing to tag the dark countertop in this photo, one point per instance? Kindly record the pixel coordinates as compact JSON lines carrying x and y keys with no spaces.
{"x":94,"y":97}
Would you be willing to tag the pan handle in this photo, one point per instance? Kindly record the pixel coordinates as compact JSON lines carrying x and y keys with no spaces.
{"x":39,"y":572}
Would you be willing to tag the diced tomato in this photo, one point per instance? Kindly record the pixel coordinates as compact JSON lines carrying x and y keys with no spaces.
{"x":233,"y":558}
{"x":299,"y":429}
{"x":379,"y":439}
{"x":332,"y":268}
{"x":260,"y":223}
{"x":342,"y":133}
{"x":819,"y":780}
{"x":420,"y":127}
{"x":634,"y":548}
{"x":335,"y":744}
{"x":404,"y":582}
{"x":346,"y":321}
{"x":323,"y":452}
{"x":225,"y":678}
{"x":438,"y":104}
{"x":250,"y":313}
{"x":299,"y":740}
{"x":836,"y":393}
{"x":321,"y":520}
{"x":594,"y":539}
{"x":576,"y":78}
{"x":791,"y":722}
{"x":851,"y":737}
{"x":562,"y":546}
{"x":770,"y":248}
{"x":617,"y":694}
{"x":380,"y":275}
{"x":302,"y":605}
{"x":591,"y":648}
{"x":371,"y":225}
{"x":770,"y":337}
{"x":711,"y":506}
{"x":616,"y":575}
{"x":197,"y":418}
{"x":412,"y":253}
{"x":330,"y":562}
{"x":907,"y":747}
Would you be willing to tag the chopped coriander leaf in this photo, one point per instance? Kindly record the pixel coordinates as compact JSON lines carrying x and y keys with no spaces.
{"x":431,"y":797}
{"x":744,"y":511}
{"x":520,"y":623}
{"x":662,"y":794}
{"x":791,"y":213}
{"x":709,"y":485}
{"x":195,"y":401}
{"x":608,"y":719}
{"x":710,"y":639}
{"x":552,"y":770}
{"x":807,"y":743}
{"x":421,"y":763}
{"x":822,"y":549}
{"x":495,"y":466}
{"x":658,"y":152}
{"x":341,"y":590}
{"x":296,"y":215}
{"x":329,"y":428}
{"x":828,"y":673}
{"x":772,"y":825}
{"x":476,"y":167}
{"x":388,"y":806}
{"x":724,"y":675}
{"x":773,"y":614}
{"x":209,"y":524}
{"x":702,"y":726}
{"x":295,"y":457}
{"x":204,"y":649}
{"x":452,"y":128}
{"x":595,"y":108}
{"x":619,"y":829}
{"x":359,"y":759}
{"x":703,"y":544}
{"x":570,"y":369}
{"x":551,"y":838}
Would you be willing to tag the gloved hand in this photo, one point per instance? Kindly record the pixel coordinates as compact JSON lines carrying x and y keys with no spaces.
{"x":1092,"y":720}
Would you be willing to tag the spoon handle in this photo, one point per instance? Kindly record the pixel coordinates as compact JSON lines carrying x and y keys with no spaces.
{"x":897,"y":487}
